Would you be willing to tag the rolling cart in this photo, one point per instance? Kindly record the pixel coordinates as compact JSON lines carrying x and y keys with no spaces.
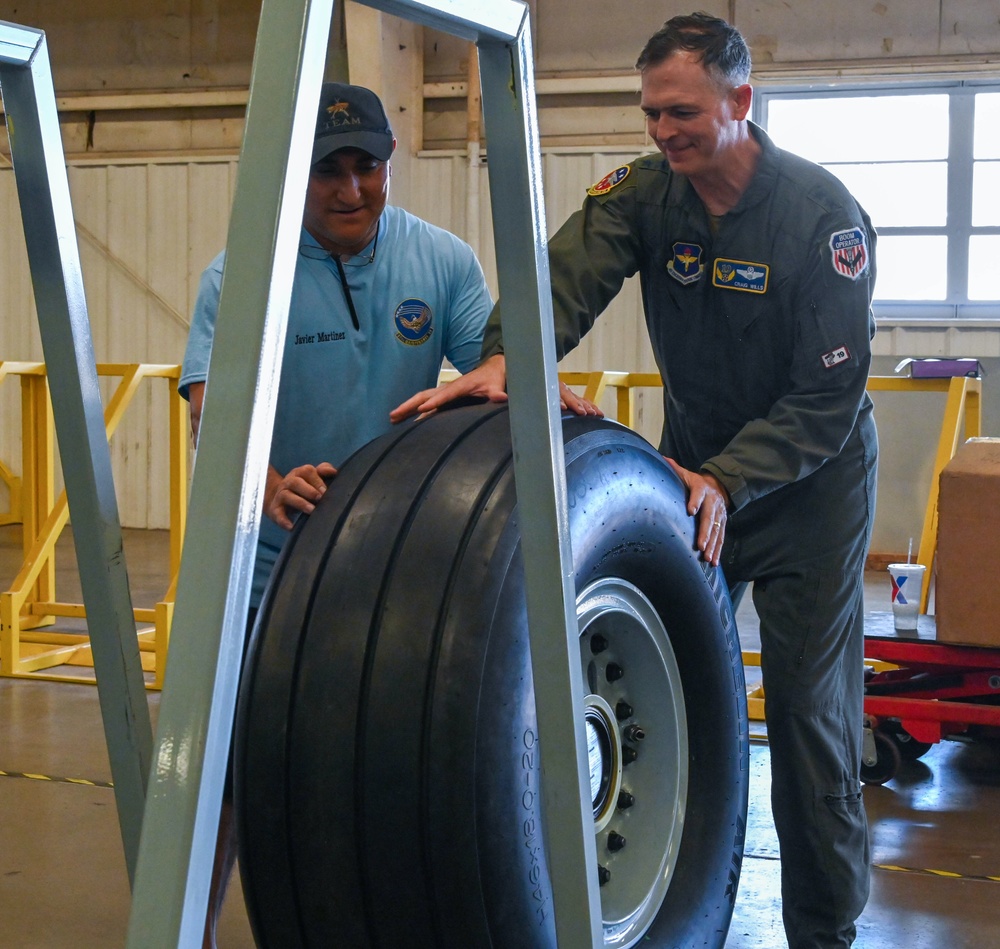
{"x":919,"y":691}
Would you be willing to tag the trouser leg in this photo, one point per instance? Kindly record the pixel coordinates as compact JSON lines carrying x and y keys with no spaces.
{"x":812,"y":656}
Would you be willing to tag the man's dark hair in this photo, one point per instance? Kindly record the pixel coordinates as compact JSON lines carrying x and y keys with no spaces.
{"x":723,"y":50}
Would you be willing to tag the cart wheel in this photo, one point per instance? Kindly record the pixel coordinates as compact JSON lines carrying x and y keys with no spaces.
{"x":887,"y":759}
{"x":910,"y":749}
{"x":387,"y":752}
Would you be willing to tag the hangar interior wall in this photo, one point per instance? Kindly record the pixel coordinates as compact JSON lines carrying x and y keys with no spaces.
{"x":151,"y":105}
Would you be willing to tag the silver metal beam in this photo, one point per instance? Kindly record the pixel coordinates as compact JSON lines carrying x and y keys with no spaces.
{"x":502,"y":31}
{"x":515,"y":177}
{"x":474,"y":20}
{"x":54,"y":260}
{"x":199,"y":695}
{"x":18,"y":43}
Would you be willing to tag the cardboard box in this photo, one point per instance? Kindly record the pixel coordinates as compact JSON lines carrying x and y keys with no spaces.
{"x":967,"y":594}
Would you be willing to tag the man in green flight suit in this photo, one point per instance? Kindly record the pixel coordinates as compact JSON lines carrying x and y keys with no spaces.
{"x":757,"y":270}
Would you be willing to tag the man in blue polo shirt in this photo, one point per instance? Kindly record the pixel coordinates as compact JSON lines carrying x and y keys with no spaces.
{"x":380,"y":297}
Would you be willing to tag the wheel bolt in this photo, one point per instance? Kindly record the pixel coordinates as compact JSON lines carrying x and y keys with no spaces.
{"x":623,"y":710}
{"x":598,"y":644}
{"x":629,"y":754}
{"x":625,"y":800}
{"x":603,"y":874}
{"x":634,"y":733}
{"x":615,"y":842}
{"x":614,"y":672}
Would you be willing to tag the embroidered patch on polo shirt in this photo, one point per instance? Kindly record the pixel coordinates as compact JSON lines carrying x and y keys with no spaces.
{"x":740,"y":275}
{"x":413,"y":319}
{"x":609,"y":181}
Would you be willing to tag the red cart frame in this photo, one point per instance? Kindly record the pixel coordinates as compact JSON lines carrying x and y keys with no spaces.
{"x":919,"y":691}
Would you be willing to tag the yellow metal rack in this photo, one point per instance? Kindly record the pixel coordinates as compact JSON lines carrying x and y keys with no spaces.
{"x":31,"y":603}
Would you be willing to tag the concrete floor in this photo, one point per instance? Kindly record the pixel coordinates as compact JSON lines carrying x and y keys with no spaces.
{"x":936,"y":843}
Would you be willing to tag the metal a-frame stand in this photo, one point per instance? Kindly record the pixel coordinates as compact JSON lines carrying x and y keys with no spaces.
{"x":54,"y":258}
{"x":174,"y":862}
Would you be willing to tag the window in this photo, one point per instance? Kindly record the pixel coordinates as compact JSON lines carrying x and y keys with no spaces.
{"x":924,"y":162}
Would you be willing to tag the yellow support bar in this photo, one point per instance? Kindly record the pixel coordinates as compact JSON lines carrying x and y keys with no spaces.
{"x":13,"y":514}
{"x":38,"y":471}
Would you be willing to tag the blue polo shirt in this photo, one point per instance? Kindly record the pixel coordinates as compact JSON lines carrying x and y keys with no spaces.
{"x":421,"y":299}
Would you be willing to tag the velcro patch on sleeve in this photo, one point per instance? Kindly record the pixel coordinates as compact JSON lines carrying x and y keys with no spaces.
{"x":609,"y":181}
{"x":835,"y":357}
{"x":849,"y":250}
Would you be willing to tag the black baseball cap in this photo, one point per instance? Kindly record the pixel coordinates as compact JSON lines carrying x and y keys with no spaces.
{"x":351,"y":117}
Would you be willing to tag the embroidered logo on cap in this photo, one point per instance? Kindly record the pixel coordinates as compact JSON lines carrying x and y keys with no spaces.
{"x":339,"y":114}
{"x":686,"y":266}
{"x":740,"y":275}
{"x":835,"y":356}
{"x":609,"y":181}
{"x":413,"y":319}
{"x":850,"y":252}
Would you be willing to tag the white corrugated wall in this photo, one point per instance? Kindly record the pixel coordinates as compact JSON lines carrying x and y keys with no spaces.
{"x":145,"y":232}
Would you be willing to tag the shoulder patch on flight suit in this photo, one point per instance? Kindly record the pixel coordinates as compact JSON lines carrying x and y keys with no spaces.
{"x":850,"y":252}
{"x":740,"y":275}
{"x":609,"y":181}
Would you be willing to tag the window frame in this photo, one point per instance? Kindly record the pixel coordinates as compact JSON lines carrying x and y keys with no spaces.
{"x":958,"y":229}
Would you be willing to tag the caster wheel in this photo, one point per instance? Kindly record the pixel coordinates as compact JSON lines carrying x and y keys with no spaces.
{"x":909,"y":748}
{"x":887,"y":759}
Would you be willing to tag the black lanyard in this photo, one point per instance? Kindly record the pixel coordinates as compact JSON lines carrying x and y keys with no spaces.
{"x":347,"y":293}
{"x":346,"y":286}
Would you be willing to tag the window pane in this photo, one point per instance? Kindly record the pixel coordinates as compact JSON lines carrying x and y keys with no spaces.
{"x":886,"y":192}
{"x":986,"y":142}
{"x":861,"y":128}
{"x":986,"y":194}
{"x":984,"y":261}
{"x":911,"y":268}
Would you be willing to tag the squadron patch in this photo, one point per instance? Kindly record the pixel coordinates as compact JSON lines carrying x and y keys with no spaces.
{"x":686,"y":266}
{"x":609,"y":181}
{"x":413,"y":319}
{"x":740,"y":275}
{"x":850,"y":252}
{"x":835,"y":357}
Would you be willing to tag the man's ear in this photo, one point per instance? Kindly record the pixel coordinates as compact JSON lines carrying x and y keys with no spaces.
{"x":742,"y":100}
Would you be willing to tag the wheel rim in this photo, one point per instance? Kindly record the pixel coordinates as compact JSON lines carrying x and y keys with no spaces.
{"x":638,"y":743}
